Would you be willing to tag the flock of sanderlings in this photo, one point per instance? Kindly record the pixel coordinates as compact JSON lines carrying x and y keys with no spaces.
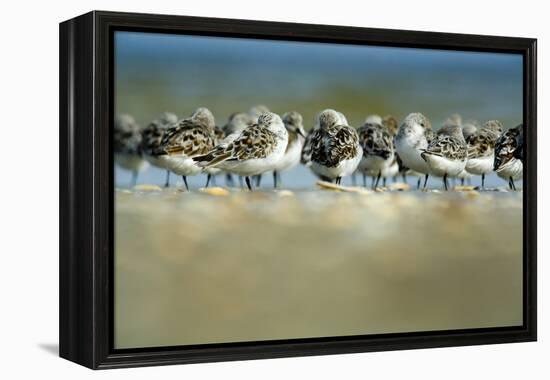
{"x":259,"y":141}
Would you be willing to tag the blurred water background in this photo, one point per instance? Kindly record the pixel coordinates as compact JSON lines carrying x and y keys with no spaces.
{"x":159,"y":72}
{"x":195,"y":268}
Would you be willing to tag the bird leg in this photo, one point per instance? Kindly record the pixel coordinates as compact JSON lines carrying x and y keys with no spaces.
{"x":229,"y":180}
{"x":274,"y":179}
{"x":425,"y":181}
{"x":364,"y":180}
{"x":185,"y":182}
{"x":134,"y":178}
{"x":418,"y":183}
{"x":208,"y":178}
{"x":247,"y":179}
{"x":513,"y":184}
{"x":258,"y":180}
{"x":167,"y":183}
{"x":377,"y":180}
{"x":483,"y":181}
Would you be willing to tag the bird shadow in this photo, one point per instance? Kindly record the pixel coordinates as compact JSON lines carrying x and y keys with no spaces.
{"x":52,"y":348}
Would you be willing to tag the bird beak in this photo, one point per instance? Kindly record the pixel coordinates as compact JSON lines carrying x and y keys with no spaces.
{"x":299,"y":131}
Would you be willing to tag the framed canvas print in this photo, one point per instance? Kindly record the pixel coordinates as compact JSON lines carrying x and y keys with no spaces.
{"x":238,"y":189}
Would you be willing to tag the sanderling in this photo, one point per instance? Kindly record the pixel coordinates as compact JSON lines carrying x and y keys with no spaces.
{"x":336,"y":151}
{"x":509,"y":156}
{"x":469,"y":128}
{"x":127,"y":145}
{"x":447,"y":153}
{"x":256,"y":150}
{"x":306,"y":149}
{"x":481,"y":149}
{"x":296,"y":136}
{"x":391,"y":124}
{"x":236,"y":122}
{"x":378,"y":152}
{"x":152,"y":137}
{"x":412,"y":137}
{"x":186,"y":139}
{"x":256,"y":111}
{"x":211,"y":173}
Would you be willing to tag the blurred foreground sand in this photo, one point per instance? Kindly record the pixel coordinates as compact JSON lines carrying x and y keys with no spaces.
{"x":194,"y":268}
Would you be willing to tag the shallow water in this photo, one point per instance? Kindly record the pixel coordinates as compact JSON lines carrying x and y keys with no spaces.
{"x":194,"y":268}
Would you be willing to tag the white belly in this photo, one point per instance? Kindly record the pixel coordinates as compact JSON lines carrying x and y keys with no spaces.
{"x":130,"y":162}
{"x":181,"y":165}
{"x":513,"y":168}
{"x":254,"y":166}
{"x":343,"y":169}
{"x":411,"y":156}
{"x":440,"y":166}
{"x":291,"y":157}
{"x":390,"y":171}
{"x":157,"y":161}
{"x":374,"y":164}
{"x":481,"y":165}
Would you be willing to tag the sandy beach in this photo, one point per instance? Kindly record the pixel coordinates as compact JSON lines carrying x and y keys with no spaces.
{"x":195,"y":268}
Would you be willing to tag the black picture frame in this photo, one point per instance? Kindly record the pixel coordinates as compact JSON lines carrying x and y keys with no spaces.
{"x":86,"y":189}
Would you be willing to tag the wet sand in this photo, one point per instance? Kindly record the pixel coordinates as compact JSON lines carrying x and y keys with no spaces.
{"x":193,"y":268}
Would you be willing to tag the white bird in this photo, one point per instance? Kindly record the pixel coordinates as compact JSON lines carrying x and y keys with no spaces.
{"x":257,"y":149}
{"x":509,"y":156}
{"x":296,"y":137}
{"x":412,"y":138}
{"x":152,"y":137}
{"x":186,"y":139}
{"x":378,"y":152}
{"x":481,"y":149}
{"x":127,"y":145}
{"x":335,"y":148}
{"x":446,"y":154}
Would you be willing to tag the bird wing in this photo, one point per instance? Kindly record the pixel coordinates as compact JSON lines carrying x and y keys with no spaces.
{"x":480,"y":145}
{"x":375,"y":140}
{"x":255,"y":141}
{"x":188,"y":139}
{"x":338,"y":143}
{"x":447,"y":146}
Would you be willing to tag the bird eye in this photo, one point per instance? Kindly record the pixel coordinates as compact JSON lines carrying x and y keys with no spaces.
{"x":422,"y":125}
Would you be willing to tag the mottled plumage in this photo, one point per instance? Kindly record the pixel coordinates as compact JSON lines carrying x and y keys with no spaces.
{"x":375,"y":141}
{"x":189,"y":137}
{"x":481,"y":149}
{"x":186,"y":139}
{"x":335,"y":144}
{"x":127,"y":145}
{"x":378,"y":150}
{"x":255,"y":150}
{"x":307,"y":148}
{"x":446,"y":154}
{"x":508,"y":162}
{"x":482,"y":143}
{"x":336,"y":151}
